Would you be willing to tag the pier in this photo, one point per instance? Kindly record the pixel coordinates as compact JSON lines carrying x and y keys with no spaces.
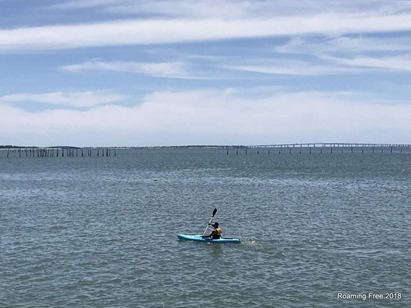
{"x":334,"y":147}
{"x":318,"y":148}
{"x":329,"y":145}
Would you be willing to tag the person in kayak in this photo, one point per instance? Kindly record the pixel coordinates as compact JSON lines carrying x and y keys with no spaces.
{"x":216,"y":233}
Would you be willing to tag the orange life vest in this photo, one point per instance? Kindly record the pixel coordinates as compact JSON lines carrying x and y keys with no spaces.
{"x":217,"y":233}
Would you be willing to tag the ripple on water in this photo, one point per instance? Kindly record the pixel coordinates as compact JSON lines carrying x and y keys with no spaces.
{"x":77,"y":232}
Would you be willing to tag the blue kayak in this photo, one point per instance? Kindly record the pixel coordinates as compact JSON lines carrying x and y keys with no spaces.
{"x":199,"y":238}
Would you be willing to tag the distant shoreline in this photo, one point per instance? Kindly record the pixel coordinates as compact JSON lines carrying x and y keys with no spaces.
{"x":282,"y":145}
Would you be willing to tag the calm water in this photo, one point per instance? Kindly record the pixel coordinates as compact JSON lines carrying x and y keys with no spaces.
{"x":100,"y":231}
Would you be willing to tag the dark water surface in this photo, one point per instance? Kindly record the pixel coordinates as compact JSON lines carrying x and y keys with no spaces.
{"x":317,"y":230}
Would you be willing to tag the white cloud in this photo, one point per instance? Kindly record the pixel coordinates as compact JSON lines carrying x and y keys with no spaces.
{"x":194,"y":9}
{"x":400,"y":63}
{"x":162,"y":31}
{"x":343,"y":44}
{"x":182,"y":8}
{"x":160,"y":69}
{"x":71,"y":99}
{"x":81,"y":4}
{"x":293,"y":67}
{"x":210,"y":117}
{"x":175,"y":8}
{"x":233,"y":8}
{"x":310,"y":56}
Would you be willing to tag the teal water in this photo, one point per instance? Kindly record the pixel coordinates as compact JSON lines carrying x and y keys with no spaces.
{"x":101,"y":231}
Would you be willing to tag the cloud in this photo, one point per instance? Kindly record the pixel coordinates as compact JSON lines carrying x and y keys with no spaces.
{"x":80,"y":4}
{"x":160,"y":69}
{"x":400,"y":63}
{"x":66,"y":99}
{"x":181,"y":8}
{"x":164,"y":31}
{"x":346,"y":44}
{"x":232,"y":8}
{"x":326,"y":65}
{"x":175,"y":8}
{"x":313,"y":55}
{"x":293,"y":67}
{"x":219,"y":117}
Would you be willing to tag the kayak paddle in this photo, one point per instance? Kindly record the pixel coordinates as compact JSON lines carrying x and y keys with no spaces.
{"x":214,"y":212}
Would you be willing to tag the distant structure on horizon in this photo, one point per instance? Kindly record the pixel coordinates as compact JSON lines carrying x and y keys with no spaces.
{"x":290,"y":148}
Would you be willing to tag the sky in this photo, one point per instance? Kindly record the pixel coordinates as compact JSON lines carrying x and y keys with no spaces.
{"x":212,"y":72}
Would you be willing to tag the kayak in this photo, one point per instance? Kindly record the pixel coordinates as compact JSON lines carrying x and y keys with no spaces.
{"x":199,"y":238}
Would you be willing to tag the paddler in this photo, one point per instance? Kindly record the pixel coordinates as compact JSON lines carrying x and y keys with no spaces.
{"x":216,"y":233}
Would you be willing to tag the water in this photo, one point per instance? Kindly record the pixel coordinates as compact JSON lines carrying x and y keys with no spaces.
{"x":100,"y":231}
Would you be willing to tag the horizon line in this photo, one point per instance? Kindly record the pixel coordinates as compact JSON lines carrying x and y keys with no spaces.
{"x":278,"y":145}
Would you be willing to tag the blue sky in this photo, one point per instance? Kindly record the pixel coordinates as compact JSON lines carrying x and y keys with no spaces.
{"x":144,"y":73}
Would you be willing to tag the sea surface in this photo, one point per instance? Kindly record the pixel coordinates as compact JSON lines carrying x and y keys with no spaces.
{"x":317,"y":230}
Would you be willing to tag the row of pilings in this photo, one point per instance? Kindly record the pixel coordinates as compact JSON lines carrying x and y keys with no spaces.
{"x":306,"y":148}
{"x":319,"y":148}
{"x":33,"y":152}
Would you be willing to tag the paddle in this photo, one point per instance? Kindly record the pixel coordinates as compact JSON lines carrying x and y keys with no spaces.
{"x":214,"y":212}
